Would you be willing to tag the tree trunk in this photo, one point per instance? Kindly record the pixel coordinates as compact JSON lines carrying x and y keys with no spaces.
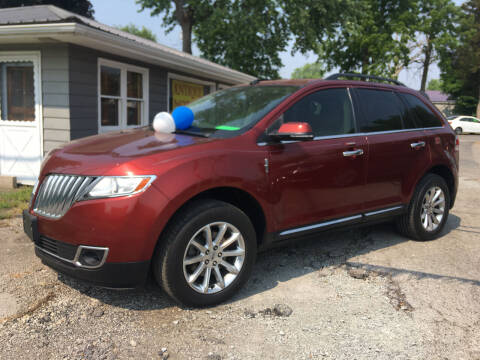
{"x":426,"y":64}
{"x":187,"y":37}
{"x":478,"y":104}
{"x":184,"y":17}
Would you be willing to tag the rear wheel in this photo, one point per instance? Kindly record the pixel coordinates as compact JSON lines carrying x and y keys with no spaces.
{"x":458,"y":130}
{"x":428,"y":210}
{"x":206,"y":254}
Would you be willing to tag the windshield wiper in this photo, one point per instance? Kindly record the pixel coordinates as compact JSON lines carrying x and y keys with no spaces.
{"x":194,"y":133}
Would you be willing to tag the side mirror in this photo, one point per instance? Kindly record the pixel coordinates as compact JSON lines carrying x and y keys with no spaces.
{"x":293,"y":131}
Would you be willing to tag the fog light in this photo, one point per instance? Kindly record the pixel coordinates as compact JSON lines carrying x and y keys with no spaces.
{"x":90,"y":256}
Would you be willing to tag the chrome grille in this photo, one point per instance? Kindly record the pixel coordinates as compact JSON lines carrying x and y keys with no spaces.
{"x":58,"y":193}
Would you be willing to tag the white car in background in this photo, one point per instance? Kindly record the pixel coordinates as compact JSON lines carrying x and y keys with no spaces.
{"x":464,"y":124}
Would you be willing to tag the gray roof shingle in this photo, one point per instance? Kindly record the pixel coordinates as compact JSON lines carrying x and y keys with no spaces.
{"x":45,"y":14}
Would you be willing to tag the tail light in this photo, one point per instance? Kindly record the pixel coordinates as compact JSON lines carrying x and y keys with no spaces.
{"x":450,"y":122}
{"x":457,"y":144}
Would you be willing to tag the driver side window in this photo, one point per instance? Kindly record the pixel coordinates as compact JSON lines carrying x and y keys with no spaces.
{"x":329,"y":112}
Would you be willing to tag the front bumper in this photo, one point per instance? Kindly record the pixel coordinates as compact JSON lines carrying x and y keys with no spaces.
{"x":63,"y":257}
{"x":112,"y":275}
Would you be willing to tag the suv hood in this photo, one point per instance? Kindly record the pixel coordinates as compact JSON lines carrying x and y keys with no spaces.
{"x":103,"y":154}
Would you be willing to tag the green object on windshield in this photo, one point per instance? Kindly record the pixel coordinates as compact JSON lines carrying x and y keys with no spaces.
{"x":226,"y":127}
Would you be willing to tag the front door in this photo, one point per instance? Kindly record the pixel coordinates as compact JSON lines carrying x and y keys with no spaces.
{"x":314,"y":181}
{"x":20,"y":116}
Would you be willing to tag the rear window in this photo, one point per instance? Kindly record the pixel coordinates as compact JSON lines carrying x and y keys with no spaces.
{"x":382,"y":110}
{"x":424,"y":117}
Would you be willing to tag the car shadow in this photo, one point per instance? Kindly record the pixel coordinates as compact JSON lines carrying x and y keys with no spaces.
{"x":324,"y":250}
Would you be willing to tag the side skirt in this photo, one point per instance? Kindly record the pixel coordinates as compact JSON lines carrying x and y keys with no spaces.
{"x":353,"y":220}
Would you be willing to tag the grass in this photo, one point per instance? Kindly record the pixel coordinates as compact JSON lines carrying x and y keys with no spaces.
{"x":12,"y":202}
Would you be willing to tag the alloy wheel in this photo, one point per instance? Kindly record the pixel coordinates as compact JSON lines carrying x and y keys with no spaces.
{"x":214,"y":257}
{"x":433,"y":208}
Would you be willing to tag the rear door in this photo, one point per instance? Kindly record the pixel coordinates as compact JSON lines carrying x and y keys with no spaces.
{"x":397,"y":149}
{"x":313,"y":181}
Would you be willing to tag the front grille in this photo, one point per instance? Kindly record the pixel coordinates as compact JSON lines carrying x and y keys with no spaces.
{"x":58,"y":193}
{"x":57,"y":248}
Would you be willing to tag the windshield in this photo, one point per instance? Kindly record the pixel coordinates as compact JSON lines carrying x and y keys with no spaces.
{"x":235,"y":110}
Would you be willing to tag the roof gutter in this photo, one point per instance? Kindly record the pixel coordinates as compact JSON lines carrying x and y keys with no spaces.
{"x":93,"y":38}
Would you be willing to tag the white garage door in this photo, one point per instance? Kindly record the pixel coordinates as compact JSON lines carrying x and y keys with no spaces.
{"x":20,"y":115}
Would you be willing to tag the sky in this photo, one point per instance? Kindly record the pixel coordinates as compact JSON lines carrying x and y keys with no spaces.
{"x":123,"y":12}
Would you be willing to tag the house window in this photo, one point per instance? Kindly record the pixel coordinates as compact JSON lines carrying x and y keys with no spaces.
{"x":183,"y":90}
{"x":123,"y":95}
{"x":17,"y":91}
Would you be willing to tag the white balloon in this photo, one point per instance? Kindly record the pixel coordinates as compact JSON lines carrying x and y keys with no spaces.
{"x":163,"y":122}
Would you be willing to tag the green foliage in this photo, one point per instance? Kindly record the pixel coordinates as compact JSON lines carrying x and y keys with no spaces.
{"x":372,"y":37}
{"x":245,"y":35}
{"x":186,"y":13}
{"x":167,"y":8}
{"x":80,"y":7}
{"x":435,"y":25}
{"x":435,"y":84}
{"x":310,"y":21}
{"x":460,"y":61}
{"x":12,"y":202}
{"x":309,"y":71}
{"x":142,"y":32}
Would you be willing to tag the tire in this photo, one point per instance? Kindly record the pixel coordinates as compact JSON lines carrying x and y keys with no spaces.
{"x":458,"y":130}
{"x":411,"y":224}
{"x":176,"y":248}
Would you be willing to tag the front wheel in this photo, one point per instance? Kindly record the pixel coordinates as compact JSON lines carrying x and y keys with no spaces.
{"x":206,"y":254}
{"x":458,"y":130}
{"x":428,"y":210}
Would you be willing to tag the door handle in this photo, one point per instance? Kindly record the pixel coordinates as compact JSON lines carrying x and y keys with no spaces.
{"x":353,"y":152}
{"x":418,"y":145}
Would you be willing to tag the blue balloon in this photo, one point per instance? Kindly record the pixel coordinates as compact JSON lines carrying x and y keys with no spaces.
{"x":183,"y":117}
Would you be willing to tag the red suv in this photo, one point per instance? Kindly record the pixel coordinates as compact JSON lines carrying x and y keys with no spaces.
{"x":262,"y":163}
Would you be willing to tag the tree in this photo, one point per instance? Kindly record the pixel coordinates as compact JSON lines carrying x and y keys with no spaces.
{"x":309,"y":71}
{"x":435,"y":84}
{"x":460,"y":61}
{"x":135,"y":30}
{"x":186,"y":13}
{"x":436,"y":21}
{"x":368,"y":36}
{"x":80,"y":7}
{"x":245,"y":35}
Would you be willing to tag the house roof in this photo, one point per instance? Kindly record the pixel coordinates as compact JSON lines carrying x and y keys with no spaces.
{"x":437,"y":96}
{"x":25,"y":20}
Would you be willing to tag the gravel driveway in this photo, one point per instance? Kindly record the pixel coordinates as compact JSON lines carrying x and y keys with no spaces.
{"x":361,"y":294}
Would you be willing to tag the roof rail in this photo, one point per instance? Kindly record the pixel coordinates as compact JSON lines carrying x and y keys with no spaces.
{"x":363,"y":76}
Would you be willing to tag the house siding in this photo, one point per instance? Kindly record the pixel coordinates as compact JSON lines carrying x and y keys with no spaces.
{"x":70,"y":87}
{"x":55,"y":91}
{"x":84,"y":88}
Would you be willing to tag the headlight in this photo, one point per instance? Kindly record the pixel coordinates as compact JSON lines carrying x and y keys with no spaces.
{"x":113,"y":186}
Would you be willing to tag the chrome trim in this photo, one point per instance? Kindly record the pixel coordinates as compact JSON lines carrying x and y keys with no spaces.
{"x":75,"y":261}
{"x":57,"y":193}
{"x":356,"y":152}
{"x":319,"y":225}
{"x":79,"y":251}
{"x":371,"y":213}
{"x":417,"y":145}
{"x":263,"y":143}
